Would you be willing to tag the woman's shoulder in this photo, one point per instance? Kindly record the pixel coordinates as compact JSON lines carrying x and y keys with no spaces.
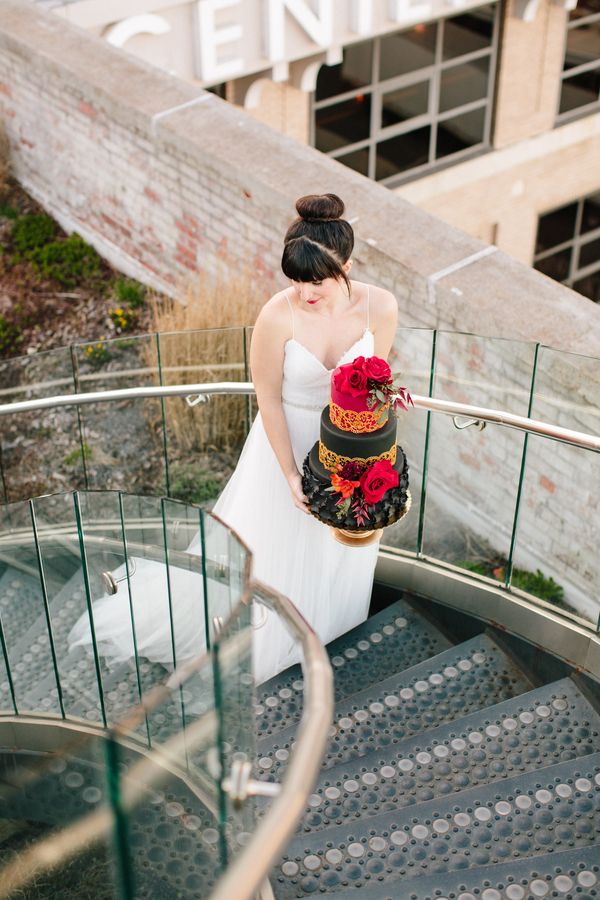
{"x":275,"y":314}
{"x":382,"y":303}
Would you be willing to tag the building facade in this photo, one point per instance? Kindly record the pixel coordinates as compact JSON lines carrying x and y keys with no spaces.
{"x":486,"y":115}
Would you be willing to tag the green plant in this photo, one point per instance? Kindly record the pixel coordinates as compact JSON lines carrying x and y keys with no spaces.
{"x":194,"y":486}
{"x":8,"y":212}
{"x":536,"y":583}
{"x":97,"y":353}
{"x":67,"y":262}
{"x":10,"y":335}
{"x":130,"y":293}
{"x":75,"y":456}
{"x":31,"y":233}
{"x":122,"y":319}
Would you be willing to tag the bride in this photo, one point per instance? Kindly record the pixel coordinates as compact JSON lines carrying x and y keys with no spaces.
{"x":301,"y":335}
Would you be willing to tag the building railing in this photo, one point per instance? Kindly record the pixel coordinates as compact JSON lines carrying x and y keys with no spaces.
{"x":87,"y":557}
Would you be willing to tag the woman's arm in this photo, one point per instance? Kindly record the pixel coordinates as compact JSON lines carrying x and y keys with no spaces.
{"x":266,"y":362}
{"x":385,"y":321}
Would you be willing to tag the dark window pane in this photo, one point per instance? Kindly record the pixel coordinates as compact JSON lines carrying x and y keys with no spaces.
{"x":591,"y":213}
{"x":555,"y":266}
{"x":556,"y":227}
{"x":584,"y":8}
{"x":583,"y":45}
{"x":589,"y":253}
{"x":580,"y":90}
{"x":463,"y":84}
{"x":403,"y":152}
{"x":357,"y":160}
{"x":343,"y":123}
{"x":464,"y":34}
{"x":397,"y":106}
{"x":353,"y":72}
{"x":407,"y":51}
{"x":460,"y":132}
{"x":589,"y":286}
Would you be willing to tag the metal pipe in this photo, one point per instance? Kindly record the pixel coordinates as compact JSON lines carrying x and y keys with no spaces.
{"x":446,"y":407}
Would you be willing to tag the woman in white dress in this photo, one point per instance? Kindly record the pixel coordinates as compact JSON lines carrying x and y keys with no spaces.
{"x":301,"y":335}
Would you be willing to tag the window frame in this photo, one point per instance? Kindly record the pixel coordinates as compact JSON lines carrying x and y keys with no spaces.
{"x":574,"y":244}
{"x":432,"y":118}
{"x":566,"y":74}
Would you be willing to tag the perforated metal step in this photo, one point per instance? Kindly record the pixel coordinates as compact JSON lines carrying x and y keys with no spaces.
{"x":568,"y":874}
{"x":526,"y":816}
{"x":543,"y":727}
{"x":465,"y":678}
{"x":171,"y":833}
{"x":394,"y":639}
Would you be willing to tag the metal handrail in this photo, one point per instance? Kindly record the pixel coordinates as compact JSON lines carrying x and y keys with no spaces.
{"x":446,"y":407}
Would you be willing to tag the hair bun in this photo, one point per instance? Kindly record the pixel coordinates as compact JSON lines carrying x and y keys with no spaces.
{"x":320,"y":208}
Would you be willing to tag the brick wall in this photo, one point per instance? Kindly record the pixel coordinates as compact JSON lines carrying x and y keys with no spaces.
{"x":164,"y":195}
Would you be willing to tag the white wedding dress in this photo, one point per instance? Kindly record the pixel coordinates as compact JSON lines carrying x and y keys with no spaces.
{"x":293,"y":552}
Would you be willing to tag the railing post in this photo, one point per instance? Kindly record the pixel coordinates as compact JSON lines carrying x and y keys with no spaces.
{"x":164,"y":418}
{"x":77,"y":386}
{"x":421,"y":525}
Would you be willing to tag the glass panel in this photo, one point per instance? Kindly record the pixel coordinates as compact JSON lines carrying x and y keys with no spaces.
{"x":48,"y":434}
{"x":122,"y":441}
{"x":59,"y":543}
{"x":463,"y":84}
{"x":555,"y":266}
{"x":556,"y":227}
{"x":473,"y":475}
{"x":407,"y":51}
{"x":23,"y":614}
{"x":403,"y":152}
{"x":204,"y":440}
{"x":404,"y":103}
{"x":589,"y":286}
{"x":583,"y":45}
{"x":580,"y":90}
{"x":557,"y":537}
{"x":353,"y":72}
{"x":343,"y":123}
{"x":357,"y":160}
{"x":469,"y":32}
{"x":591,"y":213}
{"x":589,"y":253}
{"x":460,"y":132}
{"x":411,"y":360}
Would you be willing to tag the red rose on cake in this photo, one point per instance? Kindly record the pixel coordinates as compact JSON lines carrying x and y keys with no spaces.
{"x":351,"y":379}
{"x":376,"y":369}
{"x":378,"y":479}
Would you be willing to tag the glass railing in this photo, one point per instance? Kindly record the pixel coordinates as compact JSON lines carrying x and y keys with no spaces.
{"x":518,"y":510}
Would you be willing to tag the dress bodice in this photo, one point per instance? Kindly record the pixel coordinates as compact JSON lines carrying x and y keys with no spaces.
{"x":306,"y":380}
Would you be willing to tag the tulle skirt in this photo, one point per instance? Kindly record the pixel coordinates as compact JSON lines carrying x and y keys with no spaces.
{"x":292,"y":552}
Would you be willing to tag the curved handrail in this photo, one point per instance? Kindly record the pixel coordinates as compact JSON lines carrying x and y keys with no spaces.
{"x":446,"y":407}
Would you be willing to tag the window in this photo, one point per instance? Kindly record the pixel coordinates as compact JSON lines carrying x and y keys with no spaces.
{"x":410,"y":101}
{"x":580,"y":88}
{"x":568,"y":245}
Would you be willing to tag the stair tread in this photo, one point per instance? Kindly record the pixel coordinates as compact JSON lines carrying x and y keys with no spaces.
{"x":469,"y":676}
{"x":545,"y":726}
{"x":560,"y":803}
{"x":566,"y":872}
{"x":385,"y":643}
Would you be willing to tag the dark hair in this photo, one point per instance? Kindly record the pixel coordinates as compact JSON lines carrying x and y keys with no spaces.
{"x":319,"y":241}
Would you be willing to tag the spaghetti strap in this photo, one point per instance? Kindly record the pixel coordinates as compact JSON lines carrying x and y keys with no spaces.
{"x":291,"y":313}
{"x":368,"y":299}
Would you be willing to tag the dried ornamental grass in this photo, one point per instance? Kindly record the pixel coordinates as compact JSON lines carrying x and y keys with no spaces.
{"x":202,"y":339}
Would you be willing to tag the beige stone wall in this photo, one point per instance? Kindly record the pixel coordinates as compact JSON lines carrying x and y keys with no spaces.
{"x":277,"y":104}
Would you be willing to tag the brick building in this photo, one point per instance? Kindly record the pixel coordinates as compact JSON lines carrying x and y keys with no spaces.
{"x":444,"y":102}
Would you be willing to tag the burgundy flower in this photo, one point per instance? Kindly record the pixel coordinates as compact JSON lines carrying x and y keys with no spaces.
{"x":377,"y":369}
{"x":351,"y":380}
{"x":352,"y":471}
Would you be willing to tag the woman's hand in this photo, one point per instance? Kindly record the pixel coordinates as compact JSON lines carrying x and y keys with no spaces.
{"x":298,"y":496}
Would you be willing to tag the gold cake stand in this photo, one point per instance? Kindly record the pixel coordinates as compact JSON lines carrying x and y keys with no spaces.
{"x":368,"y":536}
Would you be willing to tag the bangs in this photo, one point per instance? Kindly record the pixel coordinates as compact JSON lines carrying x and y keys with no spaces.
{"x":304,"y":260}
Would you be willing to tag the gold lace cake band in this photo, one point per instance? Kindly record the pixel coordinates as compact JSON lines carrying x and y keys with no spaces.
{"x":332,"y":460}
{"x":358,"y":422}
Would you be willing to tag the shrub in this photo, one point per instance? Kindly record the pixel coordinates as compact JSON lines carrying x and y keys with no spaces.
{"x":8,"y":212}
{"x":193,"y":485}
{"x":76,"y":455}
{"x":130,"y":293}
{"x":30,"y":233}
{"x":536,"y":583}
{"x":96,"y":354}
{"x":68,"y":261}
{"x":10,"y":335}
{"x":122,"y":319}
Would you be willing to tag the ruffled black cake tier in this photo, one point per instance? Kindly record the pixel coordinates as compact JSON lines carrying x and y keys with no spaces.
{"x":323,"y":503}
